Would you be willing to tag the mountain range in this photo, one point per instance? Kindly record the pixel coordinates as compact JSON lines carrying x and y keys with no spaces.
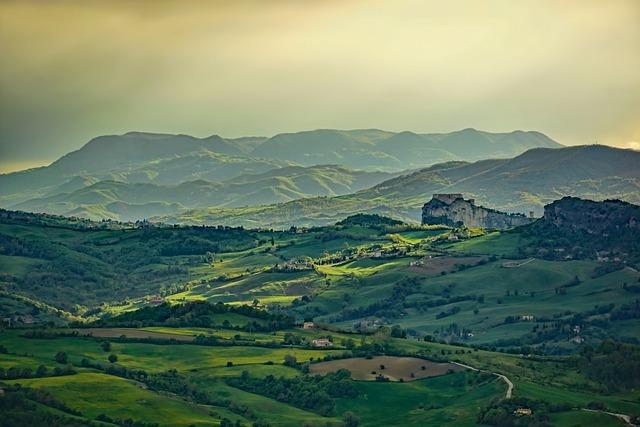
{"x":314,"y":177}
{"x":165,"y":159}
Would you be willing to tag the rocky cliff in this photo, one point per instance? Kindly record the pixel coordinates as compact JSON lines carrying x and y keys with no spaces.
{"x":454,"y":210}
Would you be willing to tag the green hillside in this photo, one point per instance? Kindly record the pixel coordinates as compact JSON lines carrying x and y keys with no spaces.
{"x":134,"y":324}
{"x":130,"y":201}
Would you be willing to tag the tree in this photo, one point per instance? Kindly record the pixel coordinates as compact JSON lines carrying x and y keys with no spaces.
{"x":112,"y":358}
{"x":290,"y":360}
{"x":61,"y":357}
{"x":350,"y":419}
{"x":41,"y":371}
{"x":106,"y":346}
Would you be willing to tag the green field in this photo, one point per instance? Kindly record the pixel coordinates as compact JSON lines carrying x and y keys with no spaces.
{"x":94,"y":394}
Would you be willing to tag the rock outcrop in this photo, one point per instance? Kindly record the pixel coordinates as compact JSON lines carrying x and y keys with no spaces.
{"x":454,"y":210}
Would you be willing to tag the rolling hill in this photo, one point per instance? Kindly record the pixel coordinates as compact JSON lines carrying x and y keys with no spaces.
{"x":521,"y":184}
{"x":131,"y":201}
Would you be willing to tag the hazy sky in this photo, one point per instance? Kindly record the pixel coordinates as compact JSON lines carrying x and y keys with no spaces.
{"x":72,"y":70}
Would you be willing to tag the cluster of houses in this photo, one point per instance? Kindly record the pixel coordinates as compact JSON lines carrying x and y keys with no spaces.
{"x":317,"y":342}
{"x":420,"y":262}
{"x":321,"y":343}
{"x":523,"y":412}
{"x":19,"y":319}
{"x":156,"y":300}
{"x":294,"y":264}
{"x":605,"y":256}
{"x":367,"y":325}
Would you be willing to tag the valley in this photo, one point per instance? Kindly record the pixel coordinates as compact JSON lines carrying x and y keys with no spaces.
{"x":210,"y":323}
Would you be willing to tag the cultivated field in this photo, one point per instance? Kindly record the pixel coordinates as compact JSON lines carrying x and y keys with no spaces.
{"x":445,"y":264}
{"x":131,"y":333}
{"x":393,"y":368}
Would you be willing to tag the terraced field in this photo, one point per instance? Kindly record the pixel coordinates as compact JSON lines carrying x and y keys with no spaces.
{"x":388,"y":367}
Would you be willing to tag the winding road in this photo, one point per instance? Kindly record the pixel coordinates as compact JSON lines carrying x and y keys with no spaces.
{"x":623,"y":417}
{"x":502,"y":377}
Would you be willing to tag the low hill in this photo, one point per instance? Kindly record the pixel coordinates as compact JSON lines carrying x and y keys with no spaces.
{"x":131,"y":201}
{"x":524,"y":183}
{"x":200,"y":314}
{"x":72,"y":263}
{"x":576,"y":228}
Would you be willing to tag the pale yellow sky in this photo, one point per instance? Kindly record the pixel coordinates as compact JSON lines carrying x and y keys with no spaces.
{"x":76,"y":69}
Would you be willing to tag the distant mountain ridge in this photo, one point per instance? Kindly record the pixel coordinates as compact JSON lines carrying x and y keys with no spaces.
{"x":169,"y":160}
{"x":403,"y":150}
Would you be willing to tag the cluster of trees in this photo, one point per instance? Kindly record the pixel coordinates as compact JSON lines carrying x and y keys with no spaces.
{"x":313,"y":393}
{"x":16,"y":372}
{"x":390,"y":308}
{"x":374,"y":221}
{"x":612,"y":364}
{"x":16,"y":246}
{"x":19,"y":408}
{"x":450,"y":312}
{"x":199,"y":314}
{"x":127,"y":422}
{"x":503,"y":413}
{"x":582,"y":228}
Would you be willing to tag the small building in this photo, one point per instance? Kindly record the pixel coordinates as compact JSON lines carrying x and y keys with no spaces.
{"x":527,"y":318}
{"x":308,"y":325}
{"x":577,"y":340}
{"x":522,"y":412}
{"x":321,"y":343}
{"x":156,"y":300}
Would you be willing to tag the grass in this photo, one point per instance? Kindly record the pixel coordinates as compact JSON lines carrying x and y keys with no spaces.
{"x":95,"y":393}
{"x":584,"y":418}
{"x":274,"y":412}
{"x":495,"y":243}
{"x":445,"y":400}
{"x":393,"y":368}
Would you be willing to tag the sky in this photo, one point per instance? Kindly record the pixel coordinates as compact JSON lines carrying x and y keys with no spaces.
{"x":73,"y":70}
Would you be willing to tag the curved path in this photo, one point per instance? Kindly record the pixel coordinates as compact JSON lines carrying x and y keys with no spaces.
{"x":502,"y":377}
{"x":625,"y":418}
